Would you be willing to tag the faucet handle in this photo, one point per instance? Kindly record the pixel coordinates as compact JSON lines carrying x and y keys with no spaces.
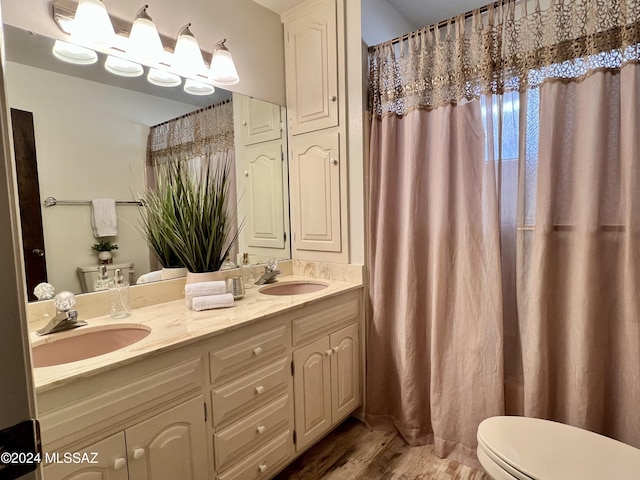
{"x":64,"y":301}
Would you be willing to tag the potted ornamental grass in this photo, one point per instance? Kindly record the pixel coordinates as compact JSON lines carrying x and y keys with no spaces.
{"x":188,"y":218}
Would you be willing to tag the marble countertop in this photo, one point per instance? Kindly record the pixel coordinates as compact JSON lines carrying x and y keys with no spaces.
{"x":173,"y":325}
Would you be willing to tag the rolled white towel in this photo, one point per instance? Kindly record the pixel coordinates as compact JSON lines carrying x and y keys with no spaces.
{"x":213,"y":301}
{"x":203,"y":289}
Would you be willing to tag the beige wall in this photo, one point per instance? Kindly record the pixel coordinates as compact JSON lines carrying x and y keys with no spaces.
{"x":91,"y":142}
{"x":254,"y":34}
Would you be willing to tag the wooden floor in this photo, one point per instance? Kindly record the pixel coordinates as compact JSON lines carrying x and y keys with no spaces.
{"x":353,"y":452}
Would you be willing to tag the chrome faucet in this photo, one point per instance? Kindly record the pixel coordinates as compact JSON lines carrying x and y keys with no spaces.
{"x":270,"y":273}
{"x":65,"y":319}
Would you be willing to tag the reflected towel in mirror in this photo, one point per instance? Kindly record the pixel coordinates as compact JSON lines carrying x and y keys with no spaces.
{"x":103,"y":217}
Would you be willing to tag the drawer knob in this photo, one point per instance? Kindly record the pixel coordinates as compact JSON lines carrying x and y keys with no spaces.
{"x":119,"y":463}
{"x":260,"y":390}
{"x":329,"y":352}
{"x":262,"y":429}
{"x":257,"y":351}
{"x":138,"y":453}
{"x":263,"y":468}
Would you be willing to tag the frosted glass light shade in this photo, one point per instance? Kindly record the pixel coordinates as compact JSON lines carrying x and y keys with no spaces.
{"x":144,"y":40}
{"x":67,"y":52}
{"x":223,"y":70}
{"x":187,"y":58}
{"x":122,"y":67}
{"x":194,"y":87}
{"x":91,"y":24}
{"x":163,"y":78}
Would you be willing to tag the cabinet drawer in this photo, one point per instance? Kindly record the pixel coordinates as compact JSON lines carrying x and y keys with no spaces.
{"x":241,"y":396}
{"x":246,"y":353}
{"x":326,"y":319}
{"x":245,"y":435}
{"x":263,"y":463}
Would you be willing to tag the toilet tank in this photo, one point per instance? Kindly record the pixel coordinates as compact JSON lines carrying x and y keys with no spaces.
{"x":89,"y":274}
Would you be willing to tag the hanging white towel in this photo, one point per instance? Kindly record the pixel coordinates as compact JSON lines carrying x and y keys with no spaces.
{"x":203,"y":289}
{"x":213,"y":301}
{"x":103,"y":217}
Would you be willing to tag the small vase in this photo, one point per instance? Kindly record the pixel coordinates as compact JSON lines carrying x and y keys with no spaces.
{"x":195,"y":277}
{"x":169,"y":273}
{"x":105,"y":257}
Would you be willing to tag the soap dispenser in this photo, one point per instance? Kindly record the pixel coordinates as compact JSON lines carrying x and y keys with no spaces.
{"x":246,"y":271}
{"x":102,"y":282}
{"x":119,"y":296}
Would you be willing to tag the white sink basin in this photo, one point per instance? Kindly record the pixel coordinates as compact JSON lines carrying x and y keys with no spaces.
{"x":85,"y":342}
{"x":293,"y":288}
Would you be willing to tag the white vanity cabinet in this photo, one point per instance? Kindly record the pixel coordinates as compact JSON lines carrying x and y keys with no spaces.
{"x":315,"y":192}
{"x":315,"y":72}
{"x":311,"y":57}
{"x":239,"y":405}
{"x":145,"y":421}
{"x":327,"y":385}
{"x":165,"y":447}
{"x":251,"y":398}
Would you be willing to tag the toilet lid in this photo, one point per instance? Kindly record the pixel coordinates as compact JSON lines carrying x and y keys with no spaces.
{"x":545,"y":450}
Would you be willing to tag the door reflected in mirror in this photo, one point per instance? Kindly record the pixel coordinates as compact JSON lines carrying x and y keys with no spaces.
{"x":90,"y":132}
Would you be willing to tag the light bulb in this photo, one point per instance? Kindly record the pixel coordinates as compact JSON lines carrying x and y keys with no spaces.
{"x":162,"y":78}
{"x":187,"y":58}
{"x":194,"y":87}
{"x":122,"y":67}
{"x":223,"y":70}
{"x":91,"y":24}
{"x":144,"y":41}
{"x":70,"y":53}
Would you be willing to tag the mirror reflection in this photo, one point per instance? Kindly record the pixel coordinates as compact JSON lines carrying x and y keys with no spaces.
{"x":81,"y":134}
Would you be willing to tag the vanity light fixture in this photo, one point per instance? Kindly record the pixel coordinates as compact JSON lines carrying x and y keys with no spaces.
{"x":223,"y":70}
{"x":137,"y":45}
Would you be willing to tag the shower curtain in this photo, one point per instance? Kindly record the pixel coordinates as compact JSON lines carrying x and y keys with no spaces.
{"x":503,"y":202}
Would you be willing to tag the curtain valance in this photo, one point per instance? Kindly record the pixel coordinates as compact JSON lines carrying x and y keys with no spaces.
{"x":206,"y":131}
{"x":506,"y":46}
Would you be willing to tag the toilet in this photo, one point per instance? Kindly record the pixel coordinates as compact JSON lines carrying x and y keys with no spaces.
{"x":525,"y":448}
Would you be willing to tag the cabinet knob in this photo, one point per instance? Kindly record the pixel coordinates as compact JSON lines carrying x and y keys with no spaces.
{"x":334,"y":98}
{"x":257,"y":351}
{"x":246,"y":174}
{"x":329,"y":352}
{"x":138,"y":453}
{"x":336,"y":349}
{"x":119,"y":463}
{"x":38,"y":252}
{"x":263,"y":468}
{"x":261,"y":429}
{"x":334,"y":161}
{"x":260,"y":390}
{"x":244,"y":122}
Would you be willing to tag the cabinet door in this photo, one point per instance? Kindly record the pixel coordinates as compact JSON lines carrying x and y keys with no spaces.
{"x":262,"y":195}
{"x":109,"y":454}
{"x":260,"y":121}
{"x":315,"y":192}
{"x":312,"y":69}
{"x":345,"y":372}
{"x":170,"y":445}
{"x":312,"y":391}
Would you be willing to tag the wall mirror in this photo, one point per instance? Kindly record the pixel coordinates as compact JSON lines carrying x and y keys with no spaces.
{"x":90,"y":130}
